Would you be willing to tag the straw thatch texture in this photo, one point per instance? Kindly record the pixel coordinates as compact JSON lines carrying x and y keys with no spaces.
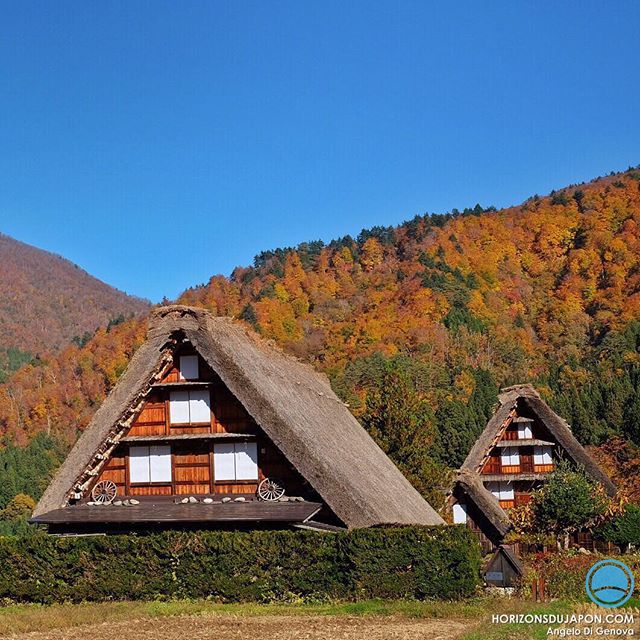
{"x":470,"y":485}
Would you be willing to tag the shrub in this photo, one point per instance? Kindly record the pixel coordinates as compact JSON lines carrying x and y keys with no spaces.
{"x":19,"y":506}
{"x":565,"y":573}
{"x":568,"y":501}
{"x":623,"y":530}
{"x":232,"y":566}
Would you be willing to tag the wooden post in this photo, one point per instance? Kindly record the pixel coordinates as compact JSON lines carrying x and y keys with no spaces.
{"x":539,"y":590}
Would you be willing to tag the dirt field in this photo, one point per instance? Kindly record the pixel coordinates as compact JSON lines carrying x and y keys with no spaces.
{"x":203,"y":619}
{"x":201,"y":627}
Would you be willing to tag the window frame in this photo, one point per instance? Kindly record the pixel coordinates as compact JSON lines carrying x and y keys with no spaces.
{"x":524,"y":431}
{"x":508,"y":455}
{"x":188,"y":358}
{"x":189,"y":393}
{"x":168,"y":453}
{"x":545,"y":455}
{"x":235,"y":480}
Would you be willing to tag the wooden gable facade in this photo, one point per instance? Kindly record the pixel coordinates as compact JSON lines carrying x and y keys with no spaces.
{"x":193,"y":437}
{"x":522,"y":455}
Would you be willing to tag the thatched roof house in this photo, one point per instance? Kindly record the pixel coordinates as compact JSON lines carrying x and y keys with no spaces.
{"x":206,"y":413}
{"x":524,"y":402}
{"x":518,"y":449}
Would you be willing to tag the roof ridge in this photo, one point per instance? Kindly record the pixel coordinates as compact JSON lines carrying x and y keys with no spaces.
{"x":521,"y":390}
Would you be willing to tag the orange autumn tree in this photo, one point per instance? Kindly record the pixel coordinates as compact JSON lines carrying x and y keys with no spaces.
{"x":547,"y":292}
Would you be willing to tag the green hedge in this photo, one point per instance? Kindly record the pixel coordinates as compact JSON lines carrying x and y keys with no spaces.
{"x":261,"y":566}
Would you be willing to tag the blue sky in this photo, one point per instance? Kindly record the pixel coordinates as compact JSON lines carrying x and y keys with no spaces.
{"x":158,"y":143}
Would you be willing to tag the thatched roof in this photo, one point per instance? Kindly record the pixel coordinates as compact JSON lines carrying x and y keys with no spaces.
{"x":512,"y":557}
{"x":291,"y":402}
{"x":525,"y":399}
{"x":470,"y":484}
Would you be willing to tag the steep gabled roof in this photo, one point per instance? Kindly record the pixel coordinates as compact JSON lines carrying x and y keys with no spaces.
{"x":291,"y":402}
{"x":470,"y":484}
{"x":527,"y":398}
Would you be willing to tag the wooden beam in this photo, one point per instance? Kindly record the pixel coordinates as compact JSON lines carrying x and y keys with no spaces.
{"x":190,"y":436}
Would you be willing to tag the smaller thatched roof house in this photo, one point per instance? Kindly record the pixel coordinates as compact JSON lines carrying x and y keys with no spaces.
{"x":524,"y":402}
{"x":518,"y":449}
{"x":211,"y":425}
{"x":482,"y":507}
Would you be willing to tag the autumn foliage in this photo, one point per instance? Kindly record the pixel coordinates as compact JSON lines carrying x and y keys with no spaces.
{"x":445,"y":307}
{"x":47,"y":301}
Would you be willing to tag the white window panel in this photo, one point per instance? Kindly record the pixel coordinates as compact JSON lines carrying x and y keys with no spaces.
{"x":224,"y":466}
{"x":246,"y":460}
{"x":179,"y":407}
{"x":524,"y":432}
{"x":160,"y":463}
{"x":139,"y":464}
{"x":542,"y":455}
{"x":510,"y":456}
{"x":459,"y":513}
{"x":189,"y":368}
{"x":506,"y":491}
{"x":190,"y":406}
{"x":199,"y":406}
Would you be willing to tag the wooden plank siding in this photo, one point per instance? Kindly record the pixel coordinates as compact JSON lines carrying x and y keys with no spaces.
{"x":191,"y":470}
{"x":477,"y":522}
{"x":116,"y":470}
{"x":493,"y":464}
{"x":192,"y":459}
{"x":152,"y":420}
{"x":539,"y":433}
{"x":510,"y":469}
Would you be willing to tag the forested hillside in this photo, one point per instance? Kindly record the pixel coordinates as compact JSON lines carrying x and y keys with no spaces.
{"x":417,"y":326}
{"x":47,"y":301}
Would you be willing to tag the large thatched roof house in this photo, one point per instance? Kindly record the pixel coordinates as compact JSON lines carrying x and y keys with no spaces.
{"x":212,"y":426}
{"x":518,"y":449}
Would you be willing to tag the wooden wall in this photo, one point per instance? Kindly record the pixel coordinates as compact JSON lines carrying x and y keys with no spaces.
{"x":116,"y":470}
{"x":192,"y":460}
{"x":227,"y":414}
{"x":152,"y":420}
{"x":493,"y":464}
{"x":477,"y":522}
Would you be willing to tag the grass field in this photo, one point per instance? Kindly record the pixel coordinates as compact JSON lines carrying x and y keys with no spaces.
{"x":196,"y":620}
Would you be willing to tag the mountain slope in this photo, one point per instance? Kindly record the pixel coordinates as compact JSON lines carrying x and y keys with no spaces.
{"x":418,"y":325}
{"x":46,"y":301}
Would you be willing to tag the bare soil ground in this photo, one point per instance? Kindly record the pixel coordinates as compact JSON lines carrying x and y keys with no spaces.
{"x":226,"y":627}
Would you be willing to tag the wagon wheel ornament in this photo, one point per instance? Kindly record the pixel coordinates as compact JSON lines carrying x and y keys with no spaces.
{"x":270,"y":490}
{"x":104,"y":492}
